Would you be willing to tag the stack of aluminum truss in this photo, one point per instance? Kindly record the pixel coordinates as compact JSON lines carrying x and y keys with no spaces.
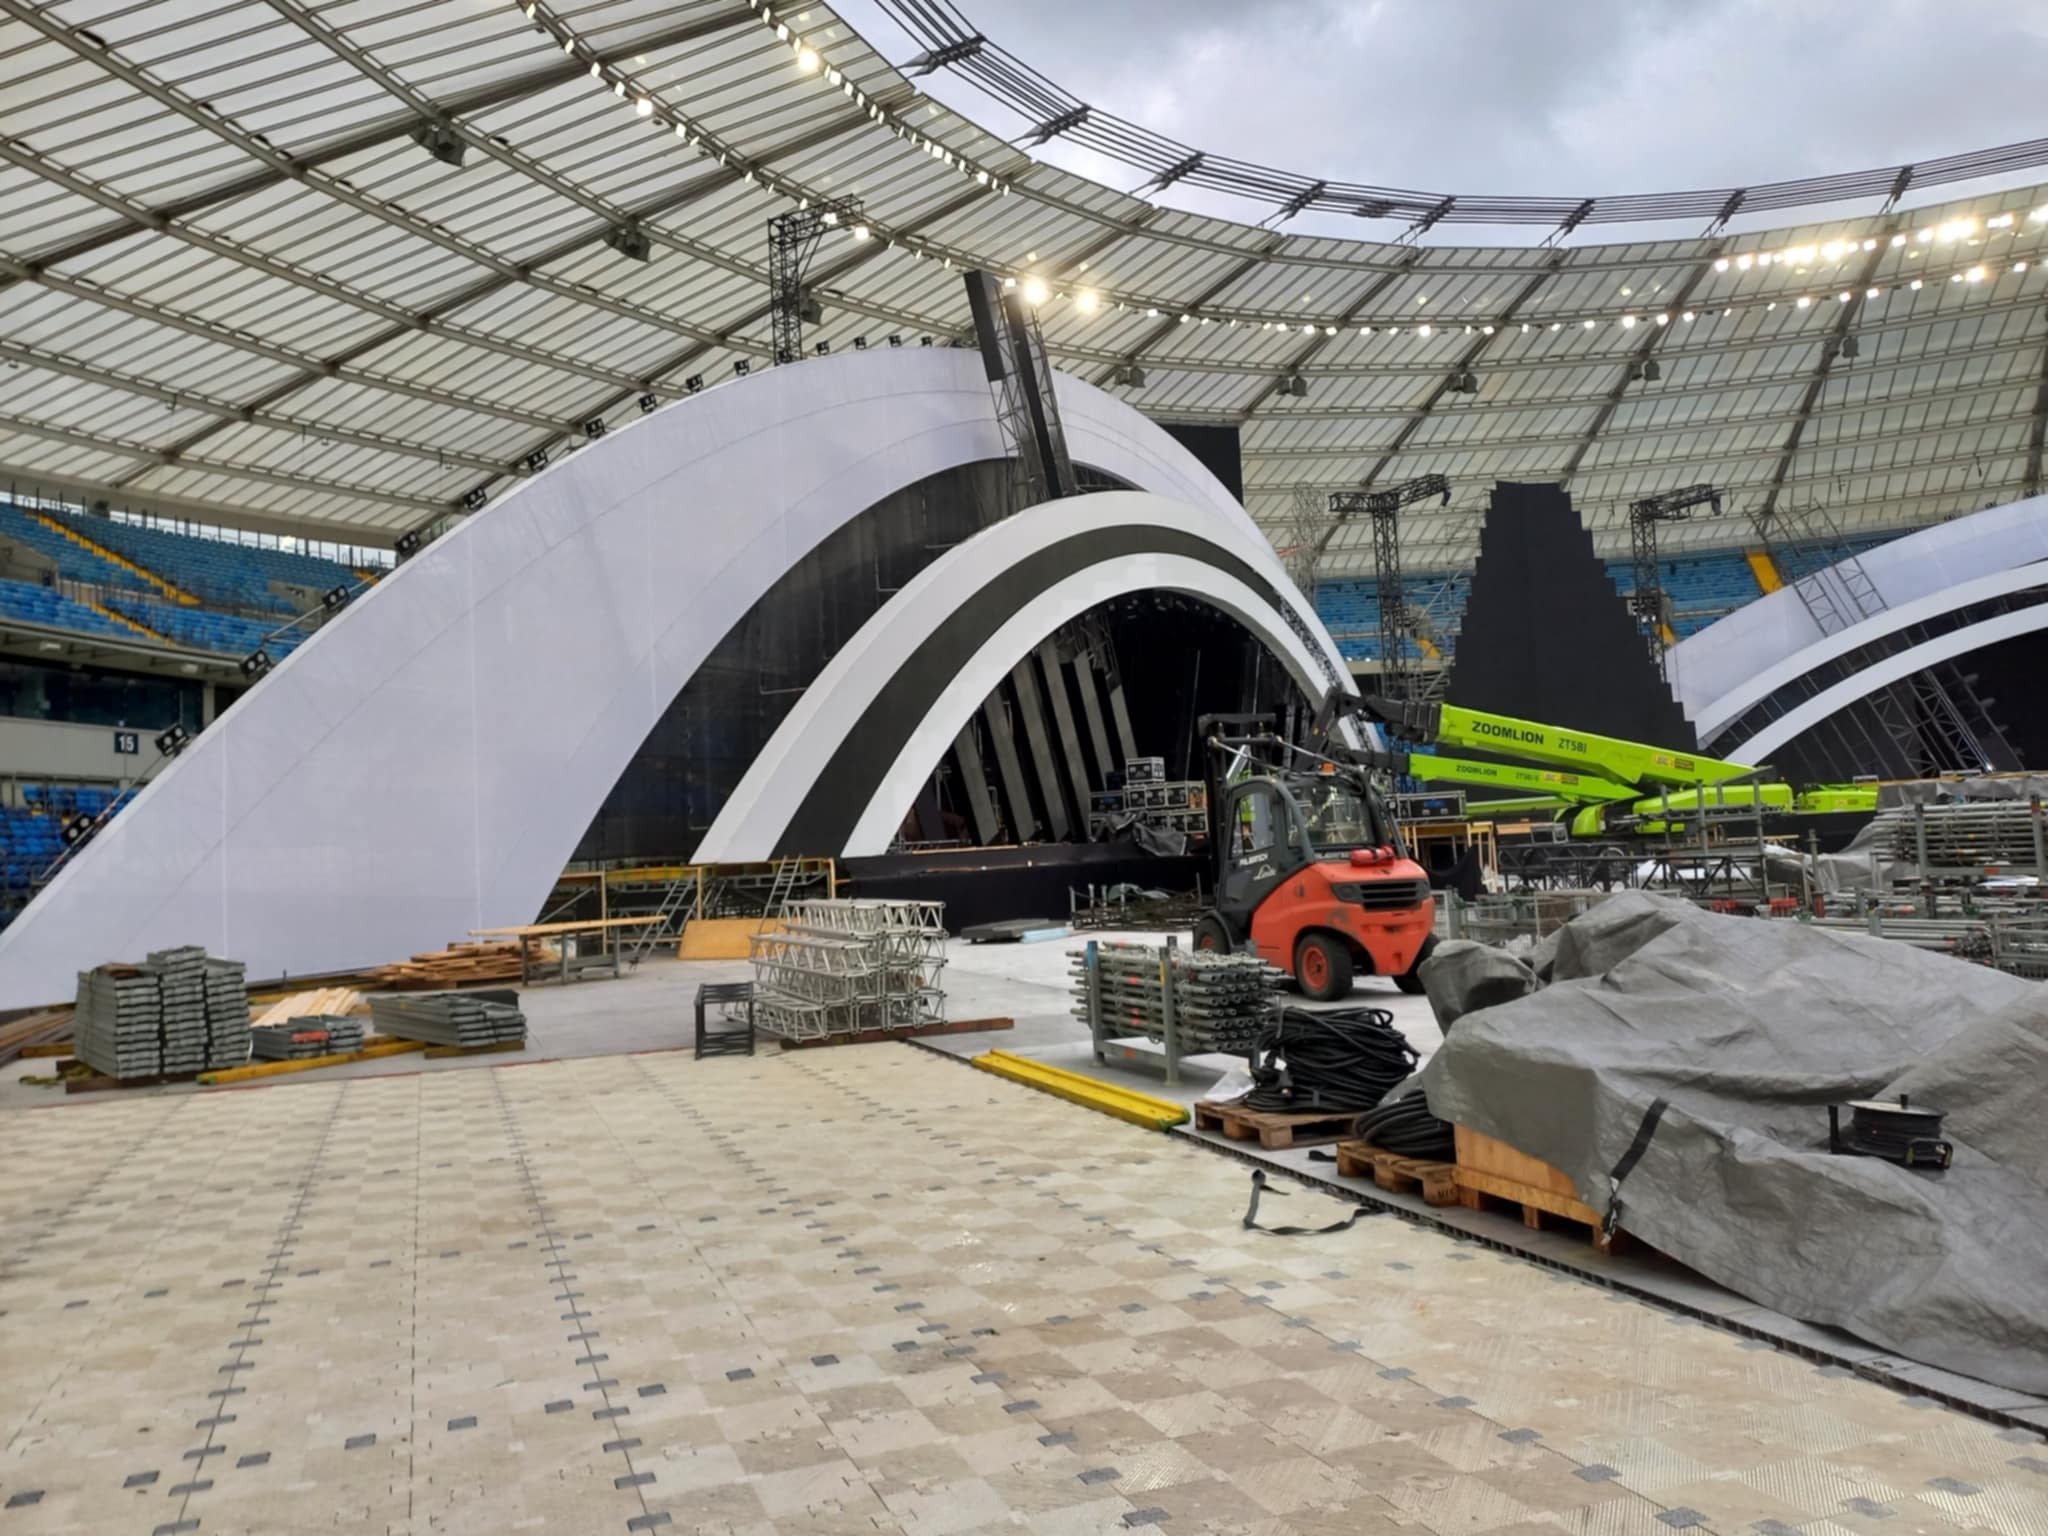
{"x":1217,"y":1002}
{"x":463,"y":1019}
{"x":848,"y":967}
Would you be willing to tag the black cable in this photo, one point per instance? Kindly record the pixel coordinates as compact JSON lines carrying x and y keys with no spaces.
{"x":1406,"y":1126}
{"x":1328,"y":1063}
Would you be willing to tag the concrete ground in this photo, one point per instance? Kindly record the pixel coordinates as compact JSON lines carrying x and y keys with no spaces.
{"x":602,"y":1286}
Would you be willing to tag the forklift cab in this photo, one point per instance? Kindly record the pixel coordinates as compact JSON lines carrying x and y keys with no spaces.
{"x":1269,"y":828}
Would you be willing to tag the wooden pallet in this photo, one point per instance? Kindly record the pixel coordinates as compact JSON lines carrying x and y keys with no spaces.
{"x":1491,"y":1174}
{"x":1438,"y":1182}
{"x":1270,"y":1128}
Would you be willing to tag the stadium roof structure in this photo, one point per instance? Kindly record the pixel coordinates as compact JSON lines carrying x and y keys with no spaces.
{"x":339,"y":269}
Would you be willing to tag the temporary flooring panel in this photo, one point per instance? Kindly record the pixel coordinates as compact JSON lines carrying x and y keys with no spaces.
{"x":851,"y":1290}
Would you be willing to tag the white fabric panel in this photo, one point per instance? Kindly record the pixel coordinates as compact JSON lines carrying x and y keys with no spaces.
{"x":1705,"y":667}
{"x":1788,"y":726}
{"x":1731,"y":705}
{"x":426,"y":763}
{"x":760,"y":808}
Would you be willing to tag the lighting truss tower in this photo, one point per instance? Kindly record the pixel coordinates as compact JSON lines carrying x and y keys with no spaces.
{"x":1304,"y":537}
{"x":1647,"y":601}
{"x":1934,"y":717}
{"x":792,"y":241}
{"x":1396,"y":623}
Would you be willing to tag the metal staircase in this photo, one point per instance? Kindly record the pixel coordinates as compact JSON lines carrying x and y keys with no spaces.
{"x":673,"y":914}
{"x":778,"y":892}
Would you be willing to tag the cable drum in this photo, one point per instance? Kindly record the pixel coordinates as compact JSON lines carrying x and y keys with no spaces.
{"x":1337,"y":1062}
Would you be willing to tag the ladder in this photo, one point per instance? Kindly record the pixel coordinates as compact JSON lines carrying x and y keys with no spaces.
{"x":778,"y":891}
{"x":673,"y":916}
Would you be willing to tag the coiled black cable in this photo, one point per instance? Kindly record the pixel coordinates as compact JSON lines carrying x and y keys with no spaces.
{"x":1406,"y":1126}
{"x":1328,"y":1063}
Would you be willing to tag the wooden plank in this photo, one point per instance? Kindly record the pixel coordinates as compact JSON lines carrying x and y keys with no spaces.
{"x":538,"y":930}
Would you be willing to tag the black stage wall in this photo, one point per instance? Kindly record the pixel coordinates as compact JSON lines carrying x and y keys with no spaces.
{"x":1219,"y":448}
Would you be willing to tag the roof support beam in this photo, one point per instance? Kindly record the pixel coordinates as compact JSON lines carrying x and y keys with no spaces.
{"x":1466,"y":359}
{"x":154,"y":458}
{"x":1301,"y":359}
{"x":1637,"y":354}
{"x":85,"y":490}
{"x":1166,"y":328}
{"x":184,"y":400}
{"x":282,"y":167}
{"x":1830,"y":345}
{"x":2038,"y":432}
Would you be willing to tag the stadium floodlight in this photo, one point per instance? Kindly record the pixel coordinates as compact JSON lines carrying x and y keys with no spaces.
{"x":1294,"y":384}
{"x":256,"y":663}
{"x":173,"y":741}
{"x":474,"y":498}
{"x":895,"y":340}
{"x":810,"y":311}
{"x":593,"y":429}
{"x":694,"y":383}
{"x":822,"y":348}
{"x":860,"y":343}
{"x":649,"y":404}
{"x":1652,"y":370}
{"x":1849,"y":348}
{"x":334,"y":598}
{"x":741,"y":367}
{"x":407,"y":544}
{"x":440,"y":140}
{"x":536,"y":461}
{"x":630,"y":241}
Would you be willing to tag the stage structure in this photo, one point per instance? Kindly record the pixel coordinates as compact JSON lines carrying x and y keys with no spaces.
{"x":428,"y":762}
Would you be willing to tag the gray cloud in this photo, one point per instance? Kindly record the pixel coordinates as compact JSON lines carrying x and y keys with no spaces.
{"x":1536,"y":96}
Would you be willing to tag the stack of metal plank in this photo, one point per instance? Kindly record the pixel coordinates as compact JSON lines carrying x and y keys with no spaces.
{"x":227,"y":1013}
{"x":1220,"y":1002}
{"x":301,"y":1039}
{"x":117,"y":1030}
{"x":181,"y":995}
{"x":464,"y":1019}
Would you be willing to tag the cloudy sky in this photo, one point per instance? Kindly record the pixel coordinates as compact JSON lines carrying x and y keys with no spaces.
{"x":1561,"y":97}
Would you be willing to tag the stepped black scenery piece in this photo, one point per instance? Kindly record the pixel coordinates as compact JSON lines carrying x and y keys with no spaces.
{"x":1546,"y":635}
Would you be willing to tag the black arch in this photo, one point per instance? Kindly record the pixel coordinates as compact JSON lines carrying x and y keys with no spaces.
{"x":854,"y":773}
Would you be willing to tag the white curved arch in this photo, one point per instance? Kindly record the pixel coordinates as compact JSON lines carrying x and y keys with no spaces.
{"x":790,"y":766}
{"x":426,"y":763}
{"x":1732,"y":705}
{"x":1707,"y":667}
{"x":1790,"y":725}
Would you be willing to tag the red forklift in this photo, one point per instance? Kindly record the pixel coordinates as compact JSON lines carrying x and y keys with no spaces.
{"x":1311,"y":874}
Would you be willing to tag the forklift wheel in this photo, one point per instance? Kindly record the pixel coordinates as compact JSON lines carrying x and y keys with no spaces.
{"x":1211,"y":935}
{"x":1410,"y":980}
{"x":1323,"y":967}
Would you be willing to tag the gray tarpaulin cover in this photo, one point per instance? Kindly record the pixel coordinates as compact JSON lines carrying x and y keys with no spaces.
{"x":1750,"y":1028}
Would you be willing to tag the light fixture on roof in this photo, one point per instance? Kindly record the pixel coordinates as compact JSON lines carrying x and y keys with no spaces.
{"x":537,"y":460}
{"x":1804,"y":301}
{"x":1087,"y":301}
{"x":694,"y":383}
{"x":1464,"y":382}
{"x":860,"y":343}
{"x":1897,"y":241}
{"x":1628,"y":322}
{"x":1422,"y":330}
{"x":807,"y":60}
{"x":1652,"y":370}
{"x":1129,"y":374}
{"x":1294,"y":384}
{"x":440,"y":140}
{"x":1974,"y":275}
{"x":630,"y":241}
{"x":644,"y":106}
{"x":1849,"y":348}
{"x":649,"y":403}
{"x":1744,"y":262}
{"x":596,"y":70}
{"x":1721,"y":264}
{"x":474,"y":498}
{"x":860,"y":232}
{"x":1035,"y":291}
{"x":741,"y":367}
{"x":1915,"y":285}
{"x":895,"y":339}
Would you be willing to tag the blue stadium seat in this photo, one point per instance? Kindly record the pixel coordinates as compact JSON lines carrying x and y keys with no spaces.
{"x":202,"y":629}
{"x":31,"y":604}
{"x":214,"y":571}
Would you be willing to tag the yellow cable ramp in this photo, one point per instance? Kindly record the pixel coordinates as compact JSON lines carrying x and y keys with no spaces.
{"x":1090,"y":1093}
